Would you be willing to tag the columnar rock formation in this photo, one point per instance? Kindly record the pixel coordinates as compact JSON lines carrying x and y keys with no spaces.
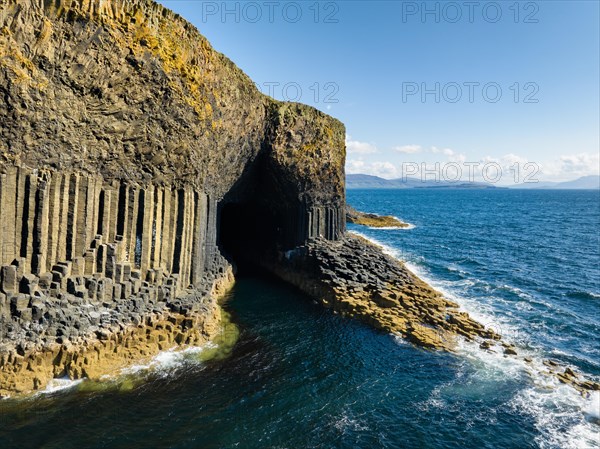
{"x":85,"y":262}
{"x":58,"y":224}
{"x":77,"y":235}
{"x":133,"y":159}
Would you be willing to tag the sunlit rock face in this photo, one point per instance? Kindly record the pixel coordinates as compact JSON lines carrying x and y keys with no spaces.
{"x":132,"y":158}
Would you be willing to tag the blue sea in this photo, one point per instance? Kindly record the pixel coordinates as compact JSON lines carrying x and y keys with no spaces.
{"x":526,"y":262}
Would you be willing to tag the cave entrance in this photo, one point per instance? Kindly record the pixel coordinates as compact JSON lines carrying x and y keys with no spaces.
{"x":258,"y":217}
{"x":246,"y":233}
{"x":240,"y":234}
{"x":248,"y":225}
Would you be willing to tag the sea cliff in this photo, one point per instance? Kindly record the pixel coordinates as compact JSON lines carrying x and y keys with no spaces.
{"x":129,"y":150}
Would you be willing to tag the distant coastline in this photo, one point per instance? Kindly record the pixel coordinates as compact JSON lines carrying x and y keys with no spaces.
{"x":362,"y":181}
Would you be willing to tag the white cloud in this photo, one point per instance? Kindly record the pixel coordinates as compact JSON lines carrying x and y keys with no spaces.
{"x":517,"y":169}
{"x":572,"y":166}
{"x":511,"y":167}
{"x":449,"y":153}
{"x":452,"y":155}
{"x":581,"y":163}
{"x":357,"y":147}
{"x":408,"y":149}
{"x":505,"y":161}
{"x":354,"y":166}
{"x":383,"y":169}
{"x":565,"y":168}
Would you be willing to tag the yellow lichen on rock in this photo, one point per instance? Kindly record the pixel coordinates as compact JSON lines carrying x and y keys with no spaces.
{"x":373,"y":220}
{"x":110,"y":350}
{"x":106,"y":354}
{"x":356,"y":279}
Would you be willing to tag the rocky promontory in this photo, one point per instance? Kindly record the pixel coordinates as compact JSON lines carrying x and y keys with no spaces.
{"x":373,"y":220}
{"x":355,"y":278}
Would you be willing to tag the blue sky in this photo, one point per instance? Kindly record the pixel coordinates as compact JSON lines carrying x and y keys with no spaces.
{"x":420,"y":83}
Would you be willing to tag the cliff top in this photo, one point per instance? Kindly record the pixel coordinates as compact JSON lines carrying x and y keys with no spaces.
{"x":132,"y":90}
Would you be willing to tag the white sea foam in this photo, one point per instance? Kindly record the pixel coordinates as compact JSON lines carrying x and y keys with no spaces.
{"x":390,"y":251}
{"x":393,"y":228}
{"x":163,"y":363}
{"x":564,"y":418}
{"x":455,"y":269}
{"x":345,"y":422}
{"x":166,"y":361}
{"x":592,"y":410}
{"x":554,"y":406}
{"x":480,"y":311}
{"x":557,"y":412}
{"x":59,"y":384}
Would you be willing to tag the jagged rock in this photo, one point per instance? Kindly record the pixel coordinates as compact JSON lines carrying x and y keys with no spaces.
{"x":19,"y":304}
{"x":28,"y":284}
{"x":388,"y":296}
{"x":9,"y":279}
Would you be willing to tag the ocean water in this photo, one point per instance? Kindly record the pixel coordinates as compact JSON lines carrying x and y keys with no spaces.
{"x":525,"y":262}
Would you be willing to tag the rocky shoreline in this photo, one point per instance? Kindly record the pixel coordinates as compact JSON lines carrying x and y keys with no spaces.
{"x":373,"y":220}
{"x":352,"y":276}
{"x":355,"y":278}
{"x":97,"y":339}
{"x":131,"y":155}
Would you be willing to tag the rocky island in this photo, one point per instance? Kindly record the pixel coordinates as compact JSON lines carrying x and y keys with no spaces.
{"x":138,"y":168}
{"x":373,"y":220}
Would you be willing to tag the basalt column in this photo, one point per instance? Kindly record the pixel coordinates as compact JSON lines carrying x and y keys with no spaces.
{"x":74,"y":224}
{"x":305,"y":175}
{"x":122,"y":135}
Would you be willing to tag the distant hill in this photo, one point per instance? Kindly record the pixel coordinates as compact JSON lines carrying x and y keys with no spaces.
{"x":585,"y":182}
{"x":360,"y":181}
{"x":367,"y":182}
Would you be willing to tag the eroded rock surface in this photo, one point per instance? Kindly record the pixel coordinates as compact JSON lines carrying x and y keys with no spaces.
{"x":137,"y":164}
{"x":355,"y":278}
{"x":373,"y":220}
{"x":123,"y":135}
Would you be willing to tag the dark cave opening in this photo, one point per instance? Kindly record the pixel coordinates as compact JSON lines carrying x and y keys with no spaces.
{"x":246,"y":233}
{"x":249,"y":223}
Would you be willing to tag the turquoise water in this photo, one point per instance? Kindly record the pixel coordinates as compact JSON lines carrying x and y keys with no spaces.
{"x":525,"y":262}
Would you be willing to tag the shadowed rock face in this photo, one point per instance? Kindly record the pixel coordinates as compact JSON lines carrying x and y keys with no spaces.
{"x":129,"y":99}
{"x":124,"y":140}
{"x":130,"y":91}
